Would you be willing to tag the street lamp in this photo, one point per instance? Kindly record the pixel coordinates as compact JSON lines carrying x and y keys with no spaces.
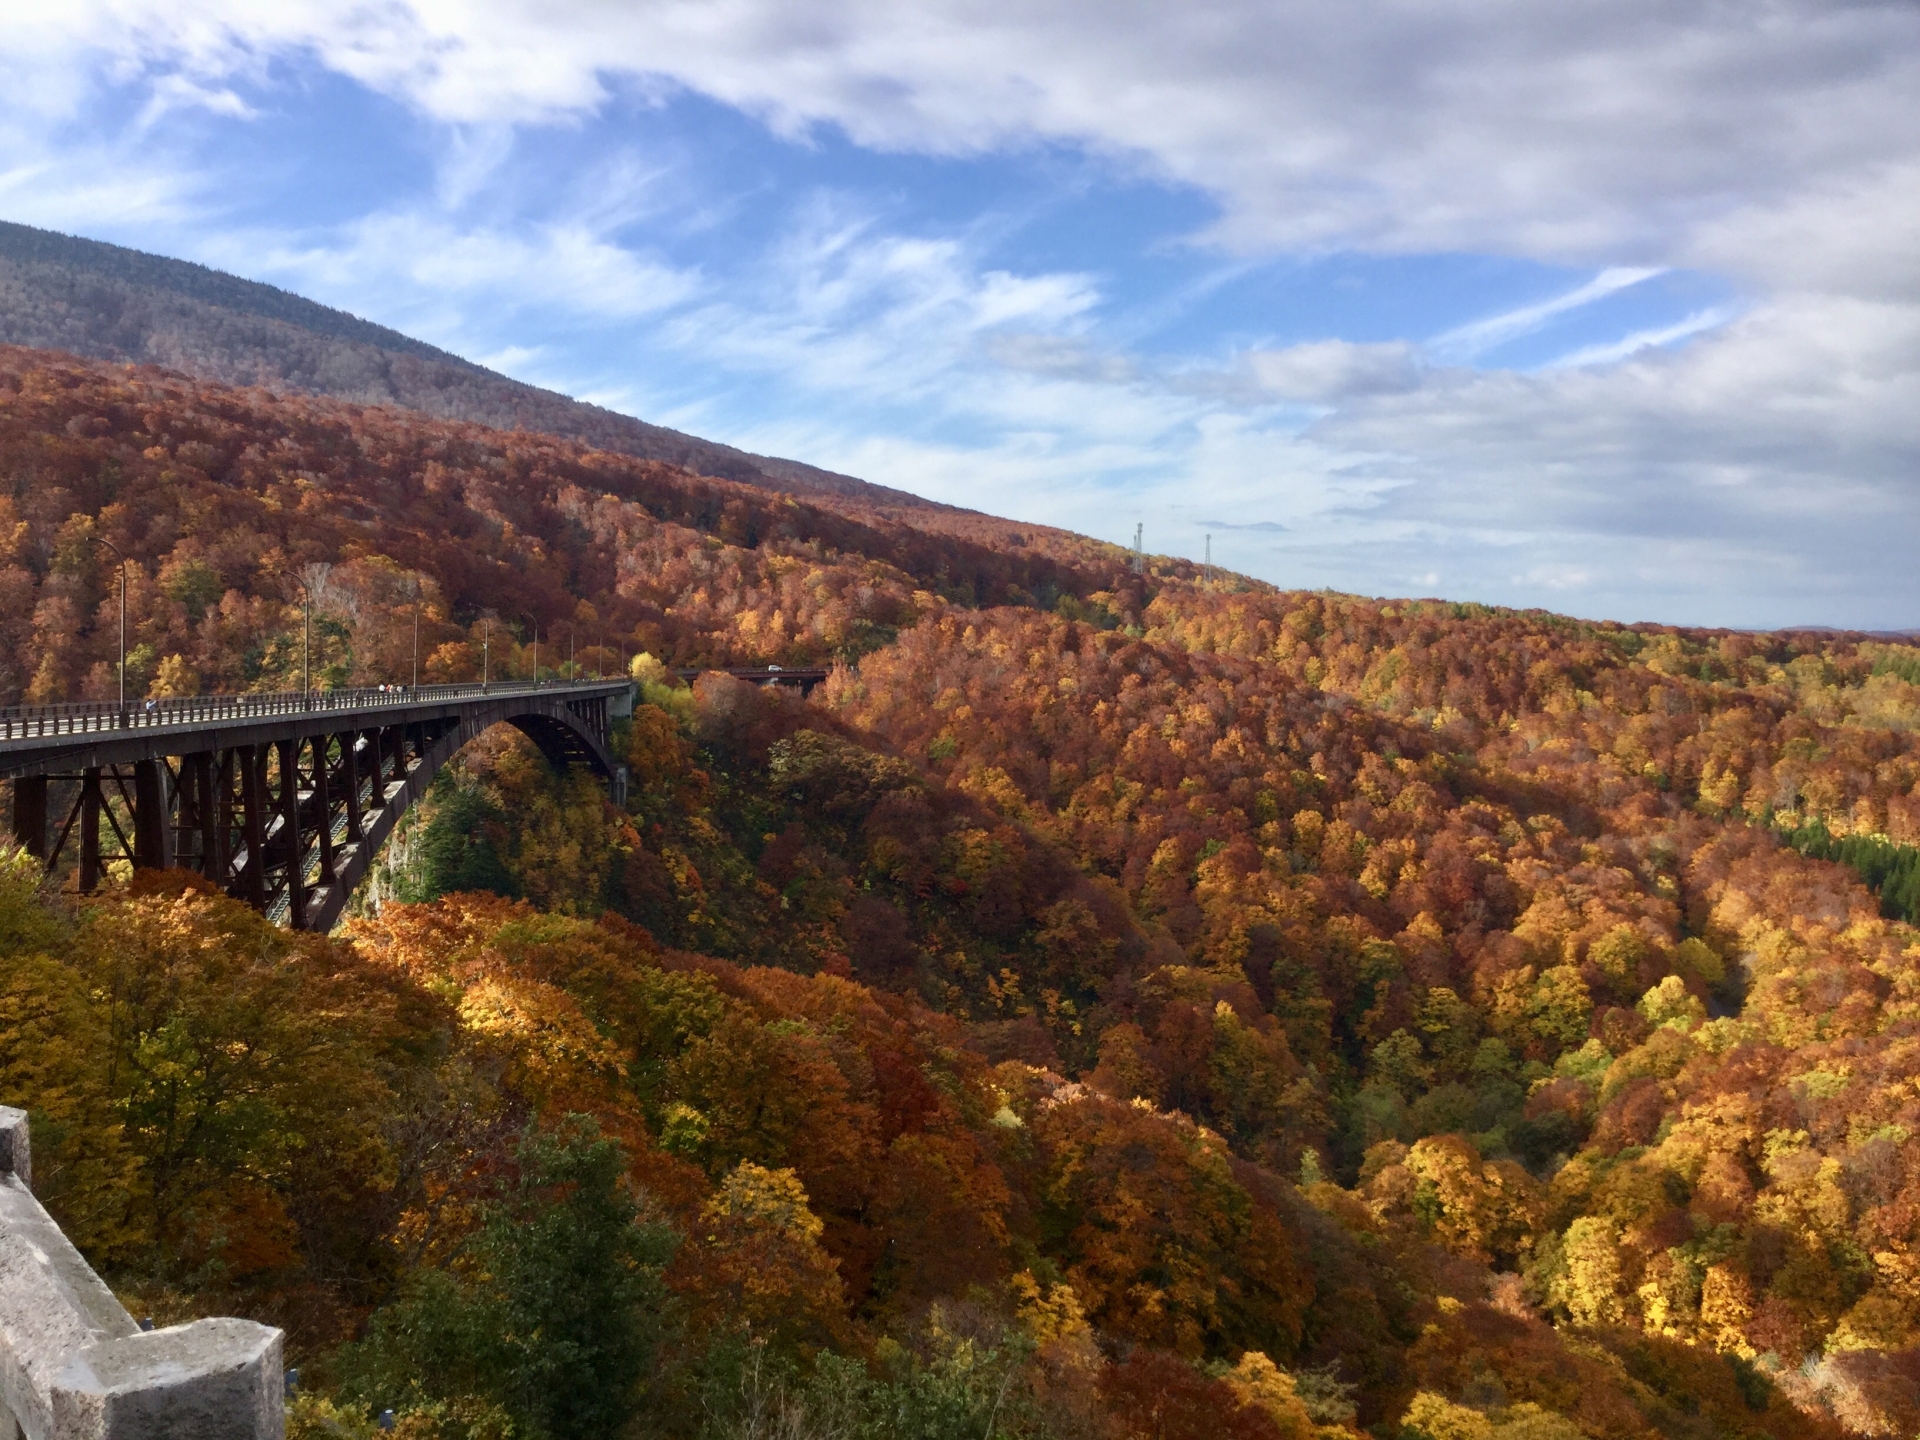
{"x":416,"y":632}
{"x":536,"y":644}
{"x":123,"y":614}
{"x":306,"y":641}
{"x":486,"y":649}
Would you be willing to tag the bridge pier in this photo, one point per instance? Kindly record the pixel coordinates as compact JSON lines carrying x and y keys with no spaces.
{"x":252,"y":764}
{"x":152,"y":835}
{"x":217,"y":819}
{"x":350,"y":763}
{"x":295,"y":852}
{"x":30,"y":815}
{"x":193,"y":828}
{"x":91,"y":804}
{"x":323,"y":807}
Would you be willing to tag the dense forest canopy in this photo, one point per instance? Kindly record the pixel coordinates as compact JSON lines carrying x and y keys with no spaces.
{"x":1117,"y":1003}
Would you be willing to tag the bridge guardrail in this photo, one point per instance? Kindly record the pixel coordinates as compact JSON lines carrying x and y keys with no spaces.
{"x":33,"y":722}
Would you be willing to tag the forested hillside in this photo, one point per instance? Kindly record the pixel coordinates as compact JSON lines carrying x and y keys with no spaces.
{"x":1116,"y":1004}
{"x":106,"y":302}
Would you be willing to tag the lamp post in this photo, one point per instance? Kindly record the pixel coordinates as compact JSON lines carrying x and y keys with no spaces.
{"x":486,"y":650}
{"x":573,"y":670}
{"x":123,"y":613}
{"x":306,"y":642}
{"x":536,"y":644}
{"x":416,"y":632}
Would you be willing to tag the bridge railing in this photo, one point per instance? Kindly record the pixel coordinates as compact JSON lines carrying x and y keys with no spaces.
{"x":32,"y":722}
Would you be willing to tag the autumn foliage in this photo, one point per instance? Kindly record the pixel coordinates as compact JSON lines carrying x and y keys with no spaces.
{"x":1114,"y":1004}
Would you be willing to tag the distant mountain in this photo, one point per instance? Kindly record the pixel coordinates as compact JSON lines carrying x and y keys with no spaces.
{"x":106,"y":302}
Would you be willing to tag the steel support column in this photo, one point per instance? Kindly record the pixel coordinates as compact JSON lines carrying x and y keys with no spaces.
{"x":220,"y":810}
{"x":30,"y":815}
{"x":350,"y":764}
{"x":291,"y":842}
{"x":251,"y":760}
{"x":91,"y":803}
{"x":152,"y":835}
{"x":323,"y":807}
{"x":195,"y":828}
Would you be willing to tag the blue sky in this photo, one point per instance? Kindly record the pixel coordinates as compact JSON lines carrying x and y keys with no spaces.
{"x":1613,"y":309}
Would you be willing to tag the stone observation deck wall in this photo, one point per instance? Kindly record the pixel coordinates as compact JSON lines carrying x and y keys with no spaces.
{"x":75,"y":1366}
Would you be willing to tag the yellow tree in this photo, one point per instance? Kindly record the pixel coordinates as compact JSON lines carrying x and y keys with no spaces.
{"x":758,"y":1262}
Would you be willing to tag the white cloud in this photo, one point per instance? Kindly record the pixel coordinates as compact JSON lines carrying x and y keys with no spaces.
{"x":1852,"y":233}
{"x":91,"y":186}
{"x":853,"y":312}
{"x":177,"y":92}
{"x":419,"y":264}
{"x":1467,"y":341}
{"x":1333,"y":370}
{"x":1556,"y":577}
{"x":1770,"y":464}
{"x":1762,"y":475}
{"x":1064,"y":356}
{"x":1585,"y":134}
{"x":1651,"y":338}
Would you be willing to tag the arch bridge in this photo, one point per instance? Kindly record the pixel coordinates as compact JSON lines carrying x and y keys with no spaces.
{"x":282,"y":800}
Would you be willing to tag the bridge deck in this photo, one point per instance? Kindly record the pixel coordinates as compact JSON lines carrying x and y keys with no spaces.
{"x":35,"y":738}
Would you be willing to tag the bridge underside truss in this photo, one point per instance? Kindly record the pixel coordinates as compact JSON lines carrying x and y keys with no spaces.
{"x":290,"y":826}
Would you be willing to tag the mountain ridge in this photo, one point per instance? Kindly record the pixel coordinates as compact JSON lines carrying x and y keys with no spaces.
{"x":103,"y":301}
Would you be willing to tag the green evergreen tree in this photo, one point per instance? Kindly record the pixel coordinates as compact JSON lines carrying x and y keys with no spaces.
{"x":551,"y":1313}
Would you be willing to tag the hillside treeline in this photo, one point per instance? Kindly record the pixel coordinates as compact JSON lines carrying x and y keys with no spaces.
{"x":227,"y":502}
{"x":109,"y":303}
{"x":1114,"y":1005}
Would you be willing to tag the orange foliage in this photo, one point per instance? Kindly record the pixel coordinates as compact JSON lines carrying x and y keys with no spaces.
{"x":1442,"y":1005}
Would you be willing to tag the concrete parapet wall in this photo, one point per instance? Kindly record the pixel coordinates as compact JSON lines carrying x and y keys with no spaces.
{"x":211,"y":1380}
{"x":16,"y":1155}
{"x":75,"y":1366}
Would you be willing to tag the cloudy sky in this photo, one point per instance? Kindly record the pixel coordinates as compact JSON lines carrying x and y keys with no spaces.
{"x":1608,"y":307}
